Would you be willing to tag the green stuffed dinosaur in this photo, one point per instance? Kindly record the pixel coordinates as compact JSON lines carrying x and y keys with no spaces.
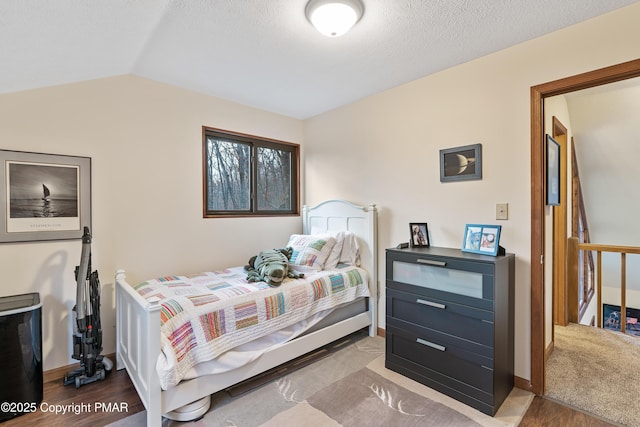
{"x":271,"y":266}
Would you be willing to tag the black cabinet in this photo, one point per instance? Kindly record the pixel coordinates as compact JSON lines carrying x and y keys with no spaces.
{"x":21,"y":378}
{"x":449,"y":322}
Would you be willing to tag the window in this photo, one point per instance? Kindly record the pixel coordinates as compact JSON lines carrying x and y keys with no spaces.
{"x":247,"y":175}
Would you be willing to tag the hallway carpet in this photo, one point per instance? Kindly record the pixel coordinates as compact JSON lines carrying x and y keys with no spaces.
{"x":596,"y":371}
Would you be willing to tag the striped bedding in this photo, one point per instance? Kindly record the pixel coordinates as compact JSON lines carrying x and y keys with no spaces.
{"x":207,"y":314}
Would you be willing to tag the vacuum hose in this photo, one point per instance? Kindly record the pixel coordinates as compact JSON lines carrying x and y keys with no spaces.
{"x":81,"y":281}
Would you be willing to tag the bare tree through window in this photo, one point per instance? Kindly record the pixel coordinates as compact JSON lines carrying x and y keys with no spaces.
{"x":274,"y":179}
{"x":245,"y":175}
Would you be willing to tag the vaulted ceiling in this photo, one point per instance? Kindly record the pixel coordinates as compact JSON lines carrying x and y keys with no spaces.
{"x":264,"y":53}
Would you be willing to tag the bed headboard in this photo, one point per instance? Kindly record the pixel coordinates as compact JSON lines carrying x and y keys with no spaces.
{"x":340,"y":215}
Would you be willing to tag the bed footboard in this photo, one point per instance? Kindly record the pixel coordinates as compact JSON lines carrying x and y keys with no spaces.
{"x":138,"y":344}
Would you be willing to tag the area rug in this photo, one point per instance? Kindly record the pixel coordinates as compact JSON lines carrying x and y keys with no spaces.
{"x":365,"y":398}
{"x":350,"y":387}
{"x":597,"y":371}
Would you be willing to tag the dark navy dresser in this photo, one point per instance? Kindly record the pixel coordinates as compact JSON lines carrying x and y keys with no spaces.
{"x":449,"y":322}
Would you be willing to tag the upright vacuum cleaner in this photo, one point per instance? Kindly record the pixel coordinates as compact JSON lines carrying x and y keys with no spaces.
{"x":87,"y":337}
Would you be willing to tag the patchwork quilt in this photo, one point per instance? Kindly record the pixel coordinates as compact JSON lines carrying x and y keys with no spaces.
{"x":206,"y":314}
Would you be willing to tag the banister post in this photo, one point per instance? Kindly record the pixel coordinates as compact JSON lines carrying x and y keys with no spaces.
{"x":572,"y":279}
{"x":599,"y":288}
{"x":623,"y":292}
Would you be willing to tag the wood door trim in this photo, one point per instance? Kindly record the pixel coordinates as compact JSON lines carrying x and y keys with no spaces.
{"x":560,"y":293}
{"x":599,"y":77}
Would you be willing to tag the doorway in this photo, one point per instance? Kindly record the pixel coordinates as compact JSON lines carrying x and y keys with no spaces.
{"x":538,"y":94}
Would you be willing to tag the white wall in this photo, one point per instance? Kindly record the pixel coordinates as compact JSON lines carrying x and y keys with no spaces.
{"x":607,"y":149}
{"x":384,"y":149}
{"x":145,"y":141}
{"x":611,"y":295}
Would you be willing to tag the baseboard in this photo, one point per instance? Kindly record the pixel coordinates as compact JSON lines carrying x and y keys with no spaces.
{"x":522,"y":383}
{"x":382,"y":332}
{"x":59,"y":373}
{"x":548,"y":351}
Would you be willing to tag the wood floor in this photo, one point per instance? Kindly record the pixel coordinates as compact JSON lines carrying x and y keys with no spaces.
{"x":92,"y":404}
{"x":547,"y":413}
{"x":97,"y":404}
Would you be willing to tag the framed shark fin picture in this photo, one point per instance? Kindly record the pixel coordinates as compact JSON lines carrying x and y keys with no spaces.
{"x":43,"y":196}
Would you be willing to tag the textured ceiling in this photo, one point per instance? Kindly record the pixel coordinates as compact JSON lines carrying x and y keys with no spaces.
{"x":264,"y":53}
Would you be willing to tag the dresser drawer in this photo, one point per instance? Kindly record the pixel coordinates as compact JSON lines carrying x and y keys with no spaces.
{"x":469,"y":350}
{"x":454,"y":319}
{"x":452,"y":388}
{"x":464,"y":282}
{"x":445,"y":366}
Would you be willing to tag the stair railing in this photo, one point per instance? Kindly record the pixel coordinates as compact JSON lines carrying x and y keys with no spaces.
{"x":580,"y":229}
{"x":573,"y":249}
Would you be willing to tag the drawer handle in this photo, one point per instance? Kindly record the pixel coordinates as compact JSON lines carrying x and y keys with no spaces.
{"x":431,"y":304}
{"x":432,"y":262}
{"x":430,"y":344}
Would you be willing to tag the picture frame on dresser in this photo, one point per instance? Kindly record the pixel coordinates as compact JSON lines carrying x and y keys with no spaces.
{"x":482,"y":239}
{"x":419,"y":237}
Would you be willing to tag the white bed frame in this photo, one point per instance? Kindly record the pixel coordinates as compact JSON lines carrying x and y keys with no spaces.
{"x":138,"y":321}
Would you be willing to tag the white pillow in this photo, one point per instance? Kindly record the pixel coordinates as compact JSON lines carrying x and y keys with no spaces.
{"x":311,"y":250}
{"x":334,"y":256}
{"x":350,"y":252}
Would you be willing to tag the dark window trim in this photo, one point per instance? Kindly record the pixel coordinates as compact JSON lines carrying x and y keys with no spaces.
{"x":254,"y":141}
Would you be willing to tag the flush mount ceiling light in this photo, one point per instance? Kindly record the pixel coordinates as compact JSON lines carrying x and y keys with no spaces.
{"x":333,"y":18}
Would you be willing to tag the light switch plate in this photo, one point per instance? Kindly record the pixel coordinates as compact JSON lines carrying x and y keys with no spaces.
{"x":502,"y":211}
